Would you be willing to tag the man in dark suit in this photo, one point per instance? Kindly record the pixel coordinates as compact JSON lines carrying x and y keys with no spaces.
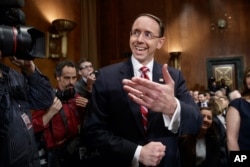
{"x":203,"y":101}
{"x":114,"y":123}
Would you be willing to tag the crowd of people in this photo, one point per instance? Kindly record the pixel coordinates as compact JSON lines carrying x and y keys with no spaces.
{"x":131,"y":114}
{"x":228,"y":118}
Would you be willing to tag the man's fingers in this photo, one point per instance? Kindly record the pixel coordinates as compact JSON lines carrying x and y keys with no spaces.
{"x":167,"y":77}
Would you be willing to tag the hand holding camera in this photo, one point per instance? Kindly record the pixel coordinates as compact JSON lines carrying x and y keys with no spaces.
{"x":27,"y":66}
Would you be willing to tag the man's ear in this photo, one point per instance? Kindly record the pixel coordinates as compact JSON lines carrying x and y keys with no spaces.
{"x":160,"y":42}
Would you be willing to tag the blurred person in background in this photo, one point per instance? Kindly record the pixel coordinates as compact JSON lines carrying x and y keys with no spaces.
{"x":212,"y":85}
{"x":195,"y":96}
{"x":238,"y":118}
{"x":225,"y":102}
{"x":87,"y":78}
{"x":223,"y":86}
{"x":208,"y":147}
{"x":83,"y":87}
{"x":219,"y":93}
{"x":20,"y":93}
{"x":234,"y":94}
{"x":202,"y":99}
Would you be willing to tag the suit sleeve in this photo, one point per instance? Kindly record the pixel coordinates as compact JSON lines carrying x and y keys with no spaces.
{"x":190,"y":115}
{"x":98,"y":124}
{"x":40,"y":92}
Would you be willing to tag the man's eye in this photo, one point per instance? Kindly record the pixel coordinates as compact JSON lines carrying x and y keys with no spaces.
{"x":137,"y":33}
{"x":148,"y":34}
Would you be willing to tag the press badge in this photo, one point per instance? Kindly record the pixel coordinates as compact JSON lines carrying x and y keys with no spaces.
{"x":26,"y":120}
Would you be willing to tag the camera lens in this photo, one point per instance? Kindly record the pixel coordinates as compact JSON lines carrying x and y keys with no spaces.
{"x":22,"y":41}
{"x":7,"y":37}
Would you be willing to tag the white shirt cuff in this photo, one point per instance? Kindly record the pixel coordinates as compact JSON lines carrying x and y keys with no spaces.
{"x":135,"y":162}
{"x":173,"y":123}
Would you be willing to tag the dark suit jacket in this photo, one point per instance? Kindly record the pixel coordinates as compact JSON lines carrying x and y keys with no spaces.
{"x":114,"y":122}
{"x":213,"y":152}
{"x":200,"y":104}
{"x":81,"y":88}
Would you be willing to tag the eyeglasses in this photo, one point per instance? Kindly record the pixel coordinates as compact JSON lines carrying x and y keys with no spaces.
{"x":147,"y":35}
{"x":85,"y":67}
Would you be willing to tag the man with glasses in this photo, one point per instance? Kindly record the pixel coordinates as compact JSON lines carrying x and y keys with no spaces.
{"x":136,"y":121}
{"x":84,"y":84}
{"x":84,"y":88}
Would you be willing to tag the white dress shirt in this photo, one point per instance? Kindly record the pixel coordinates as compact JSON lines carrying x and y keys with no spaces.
{"x":172,"y":123}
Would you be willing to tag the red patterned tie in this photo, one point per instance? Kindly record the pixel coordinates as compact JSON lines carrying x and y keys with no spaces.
{"x":144,"y":110}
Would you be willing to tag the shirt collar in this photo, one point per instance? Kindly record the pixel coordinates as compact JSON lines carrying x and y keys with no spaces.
{"x":84,"y":79}
{"x":137,"y":65}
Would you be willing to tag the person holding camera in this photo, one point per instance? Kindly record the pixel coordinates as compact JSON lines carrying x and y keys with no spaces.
{"x":88,"y":76}
{"x":19,"y":94}
{"x":60,"y":122}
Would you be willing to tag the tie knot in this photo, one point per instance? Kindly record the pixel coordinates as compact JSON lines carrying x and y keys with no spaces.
{"x":144,"y":69}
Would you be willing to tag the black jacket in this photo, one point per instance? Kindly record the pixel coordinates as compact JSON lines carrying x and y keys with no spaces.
{"x":19,"y":95}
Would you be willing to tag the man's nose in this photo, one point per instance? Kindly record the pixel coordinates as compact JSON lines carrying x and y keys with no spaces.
{"x":141,"y":37}
{"x":72,"y":80}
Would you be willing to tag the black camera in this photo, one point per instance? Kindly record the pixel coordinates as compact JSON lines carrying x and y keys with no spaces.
{"x":16,"y":39}
{"x":94,"y":72}
{"x":65,"y":95}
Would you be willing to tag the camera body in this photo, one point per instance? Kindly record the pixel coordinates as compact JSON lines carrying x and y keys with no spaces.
{"x":94,"y":73}
{"x":16,"y":39}
{"x":65,"y":95}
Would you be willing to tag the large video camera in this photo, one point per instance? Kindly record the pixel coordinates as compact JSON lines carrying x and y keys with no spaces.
{"x":16,"y":39}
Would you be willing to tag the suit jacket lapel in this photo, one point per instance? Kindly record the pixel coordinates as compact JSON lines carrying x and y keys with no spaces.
{"x":127,"y":72}
{"x":83,"y":82}
{"x":157,"y":77}
{"x":157,"y":73}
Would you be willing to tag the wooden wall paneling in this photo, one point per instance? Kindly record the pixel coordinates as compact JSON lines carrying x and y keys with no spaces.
{"x":117,"y":19}
{"x":39,"y":13}
{"x":232,"y":34}
{"x":107,"y":32}
{"x":188,"y":26}
{"x":244,"y":31}
{"x":188,"y":23}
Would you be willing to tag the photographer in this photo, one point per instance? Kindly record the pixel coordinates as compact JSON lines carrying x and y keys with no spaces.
{"x":60,"y":122}
{"x":19,"y":94}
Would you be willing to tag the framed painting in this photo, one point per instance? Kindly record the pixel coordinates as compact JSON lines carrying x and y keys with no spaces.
{"x":227,"y":72}
{"x":229,"y":68}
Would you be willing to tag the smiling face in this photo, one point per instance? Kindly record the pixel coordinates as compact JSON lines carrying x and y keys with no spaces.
{"x":207,"y":119}
{"x":248,"y":80}
{"x":142,"y":47}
